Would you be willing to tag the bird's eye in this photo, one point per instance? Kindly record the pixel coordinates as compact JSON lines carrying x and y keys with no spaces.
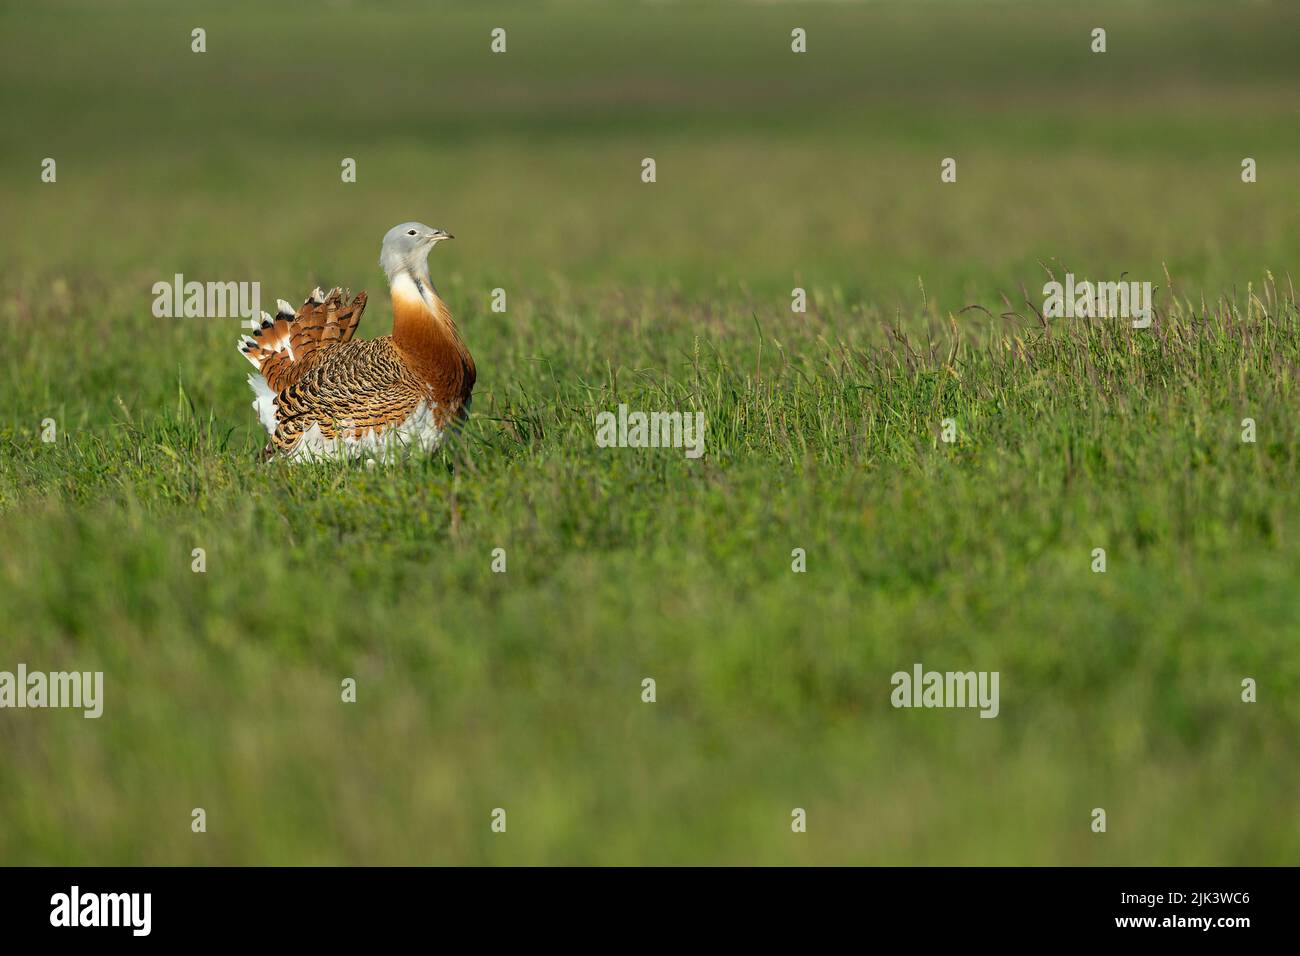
{"x":411,"y":232}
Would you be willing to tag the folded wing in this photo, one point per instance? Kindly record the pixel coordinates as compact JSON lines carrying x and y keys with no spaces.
{"x":357,"y":392}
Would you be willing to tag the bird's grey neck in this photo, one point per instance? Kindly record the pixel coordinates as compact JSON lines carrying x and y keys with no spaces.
{"x":415,"y":279}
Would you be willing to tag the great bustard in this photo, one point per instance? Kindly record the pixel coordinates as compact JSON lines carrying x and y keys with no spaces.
{"x":320,"y":393}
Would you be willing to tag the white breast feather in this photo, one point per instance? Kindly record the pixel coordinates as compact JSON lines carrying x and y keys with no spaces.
{"x":264,"y":403}
{"x":417,"y":433}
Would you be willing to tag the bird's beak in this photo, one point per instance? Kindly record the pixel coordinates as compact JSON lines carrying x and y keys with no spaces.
{"x":440,"y":234}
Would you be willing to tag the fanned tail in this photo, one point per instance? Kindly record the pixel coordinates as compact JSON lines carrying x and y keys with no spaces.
{"x":286,"y":346}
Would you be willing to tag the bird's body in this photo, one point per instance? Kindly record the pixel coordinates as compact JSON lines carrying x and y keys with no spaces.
{"x":322,"y":394}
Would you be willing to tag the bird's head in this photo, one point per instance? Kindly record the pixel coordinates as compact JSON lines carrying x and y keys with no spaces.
{"x":406,"y":248}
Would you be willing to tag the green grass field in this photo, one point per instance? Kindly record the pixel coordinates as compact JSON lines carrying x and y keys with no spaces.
{"x":522,"y":690}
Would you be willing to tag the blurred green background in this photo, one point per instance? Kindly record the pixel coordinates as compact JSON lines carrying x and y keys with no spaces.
{"x":774,"y":170}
